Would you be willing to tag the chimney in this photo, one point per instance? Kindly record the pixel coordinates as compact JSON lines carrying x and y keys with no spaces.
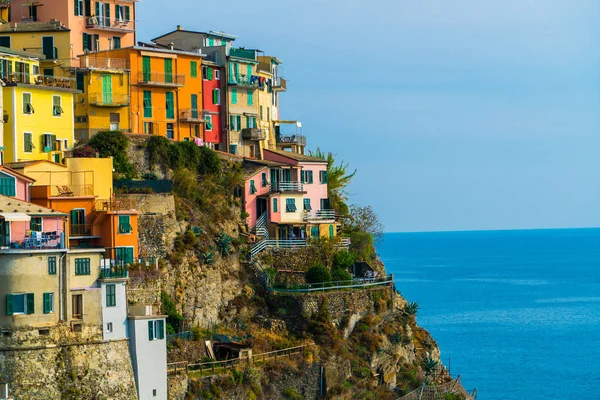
{"x":171,"y":45}
{"x":178,"y":27}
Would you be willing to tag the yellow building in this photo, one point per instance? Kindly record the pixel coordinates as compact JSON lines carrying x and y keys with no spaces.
{"x":50,"y":41}
{"x":105,"y":101}
{"x":38,"y":111}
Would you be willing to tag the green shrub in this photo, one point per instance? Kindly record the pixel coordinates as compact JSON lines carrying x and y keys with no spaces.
{"x":318,"y":274}
{"x":361,"y":246}
{"x":174,"y":318}
{"x":339,"y":275}
{"x":292,"y":394}
{"x":411,"y":308}
{"x":223,"y":242}
{"x":208,"y":257}
{"x":114,"y":144}
{"x":343,"y":259}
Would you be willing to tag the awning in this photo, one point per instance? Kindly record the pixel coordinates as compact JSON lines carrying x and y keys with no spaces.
{"x":15,"y":217}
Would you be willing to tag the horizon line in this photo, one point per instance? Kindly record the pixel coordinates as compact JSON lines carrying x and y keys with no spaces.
{"x":495,"y":230}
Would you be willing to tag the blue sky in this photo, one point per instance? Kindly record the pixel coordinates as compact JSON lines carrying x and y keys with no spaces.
{"x":458,"y":115}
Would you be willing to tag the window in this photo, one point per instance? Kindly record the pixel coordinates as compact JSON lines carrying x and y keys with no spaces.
{"x":22,"y":303}
{"x":171,"y":130}
{"x":5,"y":42}
{"x":249,"y":71}
{"x":217,"y":96}
{"x":48,"y":303}
{"x":125,"y":224}
{"x":153,"y":392}
{"x":156,"y":330}
{"x":235,"y":122}
{"x":325,"y":204}
{"x":252,"y":187}
{"x":250,"y":100}
{"x":168,"y":70}
{"x":170,"y":104}
{"x":204,"y":72}
{"x":82,"y":266}
{"x":147,"y":104}
{"x":217,"y":74}
{"x":209,"y":123}
{"x":307,"y":177}
{"x":28,"y":142}
{"x":233,"y":148}
{"x":7,"y":185}
{"x":264,"y":179}
{"x":211,"y":42}
{"x":233,"y":96}
{"x":111,"y":295}
{"x":290,"y":205}
{"x":109,"y":327}
{"x":124,"y":255}
{"x":48,"y":142}
{"x":261,"y":112}
{"x":116,"y":42}
{"x":52,"y":265}
{"x":275,"y":208}
{"x":194,"y":69}
{"x":121,"y":13}
{"x":79,"y":11}
{"x":323,"y":176}
{"x":27,"y":106}
{"x":57,"y":109}
{"x":146,"y":72}
{"x":149,"y":128}
{"x":35,"y":224}
{"x":209,"y":73}
{"x":307,"y":206}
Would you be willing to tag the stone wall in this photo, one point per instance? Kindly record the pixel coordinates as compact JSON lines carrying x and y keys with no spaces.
{"x":96,"y":370}
{"x":178,"y":386}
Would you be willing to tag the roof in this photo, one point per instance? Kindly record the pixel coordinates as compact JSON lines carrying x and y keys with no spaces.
{"x":34,"y":27}
{"x":149,"y":47}
{"x":16,"y":173}
{"x":25,"y":164}
{"x":13,"y":52}
{"x":254,"y":166}
{"x":11,"y":205}
{"x":297,"y":157}
{"x":209,"y":33}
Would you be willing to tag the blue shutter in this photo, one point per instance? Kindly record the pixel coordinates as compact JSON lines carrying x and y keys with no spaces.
{"x":150,"y":330}
{"x":9,"y":304}
{"x":30,"y":303}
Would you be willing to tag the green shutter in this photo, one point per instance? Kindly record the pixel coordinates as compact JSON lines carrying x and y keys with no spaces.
{"x":106,"y":14}
{"x":194,"y":69}
{"x":250,"y":97}
{"x":30,"y":303}
{"x":47,"y":303}
{"x":230,"y":72}
{"x":168,"y":70}
{"x":9,"y":304}
{"x":88,"y":8}
{"x":86,"y":42}
{"x":147,"y":104}
{"x":146,"y":68}
{"x":52,"y":265}
{"x":127,"y":15}
{"x":275,"y":205}
{"x":106,"y":89}
{"x":231,"y":122}
{"x":150,"y":330}
{"x":170,"y":105}
{"x":249,"y":72}
{"x":210,"y":73}
{"x":239,"y":122}
{"x":76,"y":7}
{"x":233,"y":96}
{"x":215,"y":97}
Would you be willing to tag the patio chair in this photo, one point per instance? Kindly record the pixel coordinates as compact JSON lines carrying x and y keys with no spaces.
{"x":64,"y":191}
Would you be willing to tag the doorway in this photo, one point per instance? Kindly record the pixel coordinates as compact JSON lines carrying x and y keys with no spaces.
{"x":77,"y":306}
{"x":48,"y":47}
{"x":261,"y":207}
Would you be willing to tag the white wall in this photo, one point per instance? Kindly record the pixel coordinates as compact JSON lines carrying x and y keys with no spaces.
{"x":116,"y":315}
{"x":149,"y":359}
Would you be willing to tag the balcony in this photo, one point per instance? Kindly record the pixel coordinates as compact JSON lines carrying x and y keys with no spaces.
{"x":161,"y":79}
{"x":102,"y":63}
{"x":115,"y":205}
{"x":248,"y":81}
{"x":191,"y":115}
{"x":107,"y":24}
{"x":320,"y":215}
{"x":299,"y":140}
{"x":109,"y":100}
{"x":70,"y":190}
{"x":253,"y":134}
{"x":114,"y":272}
{"x":41,"y":241}
{"x":42,"y":80}
{"x":287,"y":187}
{"x":280,"y":85}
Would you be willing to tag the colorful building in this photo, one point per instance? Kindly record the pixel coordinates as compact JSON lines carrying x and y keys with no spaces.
{"x":165,"y":91}
{"x":38,"y":111}
{"x":213,"y":92}
{"x":105,"y":101}
{"x":93,"y":25}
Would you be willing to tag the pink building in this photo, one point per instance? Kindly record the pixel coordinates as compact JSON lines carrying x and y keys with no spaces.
{"x":94,"y":25}
{"x":14,"y":184}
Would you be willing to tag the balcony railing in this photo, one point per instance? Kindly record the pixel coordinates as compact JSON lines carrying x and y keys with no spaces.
{"x":253,"y":134}
{"x":161,"y":79}
{"x":191,"y":115}
{"x":81,"y":230}
{"x":280,"y":84}
{"x":252,"y":81}
{"x":114,"y":272}
{"x":105,"y":23}
{"x":115,"y":205}
{"x":319,"y":215}
{"x":39,"y":241}
{"x":102,"y":63}
{"x":43,"y":80}
{"x":71,"y":190}
{"x":291,"y":139}
{"x":287,"y":187}
{"x":109,"y":99}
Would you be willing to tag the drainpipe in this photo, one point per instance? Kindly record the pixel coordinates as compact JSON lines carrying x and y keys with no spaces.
{"x":62,"y":288}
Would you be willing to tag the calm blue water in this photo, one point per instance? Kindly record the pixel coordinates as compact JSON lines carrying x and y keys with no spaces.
{"x":517,"y":312}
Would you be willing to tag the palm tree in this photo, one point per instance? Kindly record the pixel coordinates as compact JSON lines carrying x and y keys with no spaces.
{"x":338,"y":179}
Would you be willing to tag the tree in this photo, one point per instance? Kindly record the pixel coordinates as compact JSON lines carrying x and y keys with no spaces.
{"x":338,"y":179}
{"x":318,"y":274}
{"x":364,"y":219}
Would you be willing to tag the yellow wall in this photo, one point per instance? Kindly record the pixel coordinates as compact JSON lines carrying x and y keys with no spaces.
{"x":102,"y":172}
{"x":38,"y":123}
{"x":96,"y":108}
{"x":32,"y":43}
{"x":292,"y":217}
{"x":265,"y":123}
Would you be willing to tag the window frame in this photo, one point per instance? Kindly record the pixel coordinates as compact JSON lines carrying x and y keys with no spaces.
{"x":290,"y":205}
{"x":27,"y":104}
{"x":275,"y":205}
{"x":111,"y":295}
{"x":30,"y":142}
{"x":39,"y":222}
{"x":52,"y":265}
{"x":127,"y":228}
{"x":82,"y":266}
{"x":48,"y":303}
{"x":57,"y":110}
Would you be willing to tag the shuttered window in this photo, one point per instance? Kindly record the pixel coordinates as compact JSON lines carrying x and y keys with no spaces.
{"x":250,"y":99}
{"x":125,"y":224}
{"x":147,"y":104}
{"x":307,"y":206}
{"x":323,"y":178}
{"x":52,"y":265}
{"x":111,"y":295}
{"x":57,"y":109}
{"x":146,"y":72}
{"x":27,"y":106}
{"x":194,"y":69}
{"x":252,"y":187}
{"x":217,"y":96}
{"x":168,"y":70}
{"x":290,"y":205}
{"x":275,"y":208}
{"x":48,"y":303}
{"x":209,"y":73}
{"x":28,"y":142}
{"x":233,"y":96}
{"x":82,"y":266}
{"x":7,"y":186}
{"x":264,"y":179}
{"x":170,"y":105}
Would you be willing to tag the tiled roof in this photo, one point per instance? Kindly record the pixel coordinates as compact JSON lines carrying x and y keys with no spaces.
{"x":11,"y":205}
{"x":296,"y":156}
{"x":34,"y":27}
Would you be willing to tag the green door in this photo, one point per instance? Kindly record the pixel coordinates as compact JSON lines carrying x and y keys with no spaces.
{"x":146,"y":69}
{"x":195,"y":106}
{"x":314,"y":232}
{"x":57,"y":158}
{"x":48,"y":47}
{"x":106,"y":89}
{"x":77,"y":221}
{"x":168,"y":70}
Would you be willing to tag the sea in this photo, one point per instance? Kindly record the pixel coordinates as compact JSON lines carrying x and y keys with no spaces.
{"x":515,"y":313}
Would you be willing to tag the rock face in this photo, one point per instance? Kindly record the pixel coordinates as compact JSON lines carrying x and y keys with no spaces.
{"x":177,"y":386}
{"x":68,"y":370}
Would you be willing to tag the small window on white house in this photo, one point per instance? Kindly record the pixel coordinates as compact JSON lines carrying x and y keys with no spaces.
{"x":109,"y":327}
{"x":217,"y":74}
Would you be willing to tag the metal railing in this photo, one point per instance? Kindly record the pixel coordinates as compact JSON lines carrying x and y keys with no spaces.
{"x":291,"y":139}
{"x":335,"y":285}
{"x":280,"y":84}
{"x":191,"y":114}
{"x":81,"y":230}
{"x":110,"y":24}
{"x":109,"y":99}
{"x":319,"y":215}
{"x":161,"y":79}
{"x":102,"y":63}
{"x":114,"y":272}
{"x":71,"y":190}
{"x":286,"y":244}
{"x":287,"y":187}
{"x":253,"y":134}
{"x":115,"y":204}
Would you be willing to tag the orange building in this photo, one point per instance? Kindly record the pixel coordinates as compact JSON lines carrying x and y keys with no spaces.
{"x":166,"y":91}
{"x":79,"y":190}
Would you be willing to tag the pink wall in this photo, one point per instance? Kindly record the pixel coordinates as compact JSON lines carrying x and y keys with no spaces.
{"x":49,"y":224}
{"x":275,"y":216}
{"x":250,"y":199}
{"x":315,"y":191}
{"x":23,"y":190}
